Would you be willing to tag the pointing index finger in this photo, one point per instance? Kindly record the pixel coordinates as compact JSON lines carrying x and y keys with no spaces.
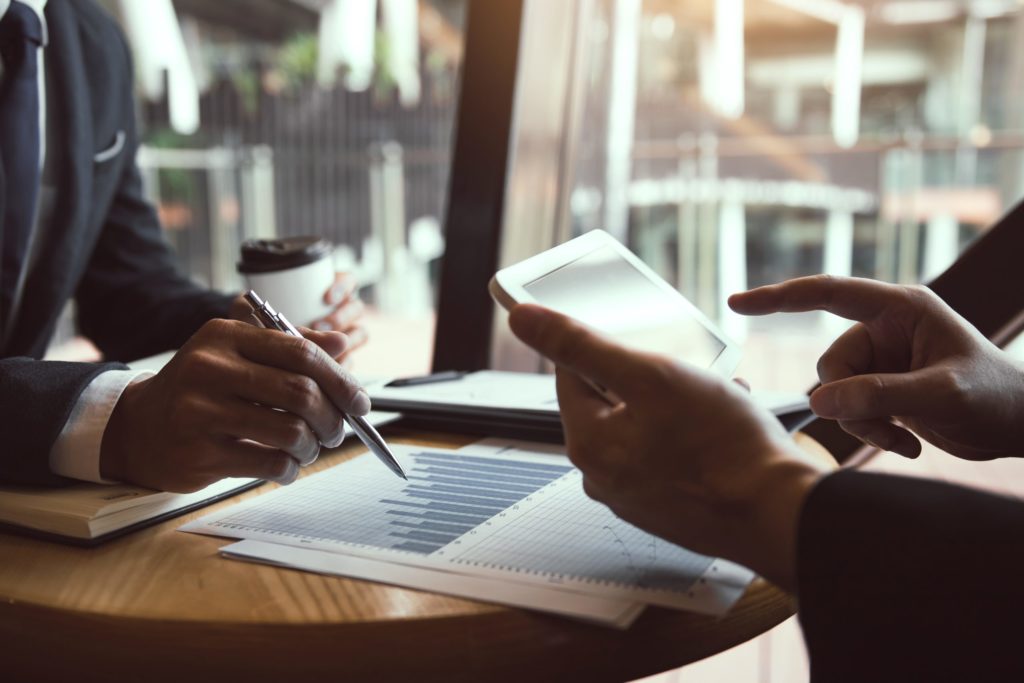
{"x":848,"y":297}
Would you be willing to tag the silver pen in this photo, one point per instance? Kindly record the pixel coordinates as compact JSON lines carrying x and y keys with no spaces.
{"x":271,"y":319}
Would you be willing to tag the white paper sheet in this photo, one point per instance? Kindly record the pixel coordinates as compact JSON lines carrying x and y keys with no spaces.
{"x":522,"y":519}
{"x":605,"y":611}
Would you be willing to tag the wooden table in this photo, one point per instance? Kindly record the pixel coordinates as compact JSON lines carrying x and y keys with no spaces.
{"x":162,"y":605}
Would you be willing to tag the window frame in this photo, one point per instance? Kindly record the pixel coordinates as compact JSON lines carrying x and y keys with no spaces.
{"x":976,"y":285}
{"x":476,"y":192}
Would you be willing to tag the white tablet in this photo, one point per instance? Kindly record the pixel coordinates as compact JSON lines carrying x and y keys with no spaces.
{"x":601,"y":283}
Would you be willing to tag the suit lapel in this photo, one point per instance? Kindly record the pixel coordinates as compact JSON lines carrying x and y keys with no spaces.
{"x":73,"y":135}
{"x":70,"y":119}
{"x":3,"y":195}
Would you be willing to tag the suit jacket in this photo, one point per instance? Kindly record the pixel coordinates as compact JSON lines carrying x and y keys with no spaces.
{"x":910,"y":580}
{"x":104,"y":248}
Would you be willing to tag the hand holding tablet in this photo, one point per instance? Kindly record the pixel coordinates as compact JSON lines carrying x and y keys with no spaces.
{"x":598,"y":281}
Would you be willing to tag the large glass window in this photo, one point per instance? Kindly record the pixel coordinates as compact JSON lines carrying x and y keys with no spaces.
{"x":333,"y":118}
{"x":732,"y":144}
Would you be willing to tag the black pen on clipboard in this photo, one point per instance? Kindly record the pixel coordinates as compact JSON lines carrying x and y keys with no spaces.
{"x":271,"y":319}
{"x":433,"y":378}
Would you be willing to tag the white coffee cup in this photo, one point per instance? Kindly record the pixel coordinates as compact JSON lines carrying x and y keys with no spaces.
{"x":293,"y":274}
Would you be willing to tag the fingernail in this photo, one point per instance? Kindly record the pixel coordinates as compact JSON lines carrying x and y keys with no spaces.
{"x":311,"y":458}
{"x":908,"y":449}
{"x":341,"y":289}
{"x":533,"y":313}
{"x":825,"y":402}
{"x":337,"y":440}
{"x":290,"y":474}
{"x":527,"y":319}
{"x":357,"y":336}
{"x":360,"y":404}
{"x":351,"y":312}
{"x":322,"y":326}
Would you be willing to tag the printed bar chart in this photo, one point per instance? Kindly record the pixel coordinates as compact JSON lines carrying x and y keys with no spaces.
{"x":519,"y":520}
{"x":449,"y":495}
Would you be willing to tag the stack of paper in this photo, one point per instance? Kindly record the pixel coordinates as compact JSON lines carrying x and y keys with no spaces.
{"x":496,"y":522}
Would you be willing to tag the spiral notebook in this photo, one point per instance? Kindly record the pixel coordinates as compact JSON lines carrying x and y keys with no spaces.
{"x":518,"y":519}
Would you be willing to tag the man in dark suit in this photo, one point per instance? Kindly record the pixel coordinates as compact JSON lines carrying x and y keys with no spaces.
{"x":898,"y":579}
{"x":74,"y":225}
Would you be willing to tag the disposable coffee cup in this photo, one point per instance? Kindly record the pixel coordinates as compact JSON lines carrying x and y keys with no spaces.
{"x":293,"y":274}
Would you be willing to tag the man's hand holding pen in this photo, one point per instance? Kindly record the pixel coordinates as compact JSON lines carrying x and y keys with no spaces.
{"x":237,"y":401}
{"x":347,"y":315}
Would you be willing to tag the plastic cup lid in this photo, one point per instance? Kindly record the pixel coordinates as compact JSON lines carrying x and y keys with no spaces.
{"x":264,"y":256}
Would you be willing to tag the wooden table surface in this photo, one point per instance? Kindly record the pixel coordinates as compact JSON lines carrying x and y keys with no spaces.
{"x":163,"y":605}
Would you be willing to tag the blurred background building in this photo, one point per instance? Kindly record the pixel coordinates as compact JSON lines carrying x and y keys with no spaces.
{"x":730,"y":143}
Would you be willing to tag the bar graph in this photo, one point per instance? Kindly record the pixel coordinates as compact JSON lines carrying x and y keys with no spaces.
{"x":447,"y":495}
{"x":566,"y":535}
{"x":519,"y":518}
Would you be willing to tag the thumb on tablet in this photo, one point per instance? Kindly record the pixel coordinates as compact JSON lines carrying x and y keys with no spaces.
{"x":573,"y":346}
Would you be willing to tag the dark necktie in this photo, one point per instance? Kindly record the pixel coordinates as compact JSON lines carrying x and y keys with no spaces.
{"x":21,"y":33}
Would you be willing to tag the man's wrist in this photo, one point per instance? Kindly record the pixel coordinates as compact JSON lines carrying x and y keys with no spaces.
{"x":115,"y":447}
{"x":773,"y":515}
{"x":75,"y":453}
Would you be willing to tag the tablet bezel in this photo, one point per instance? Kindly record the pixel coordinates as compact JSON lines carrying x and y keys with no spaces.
{"x":508,"y":286}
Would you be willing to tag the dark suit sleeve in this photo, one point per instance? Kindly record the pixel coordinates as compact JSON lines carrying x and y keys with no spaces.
{"x":133,"y":301}
{"x":906,"y":579}
{"x":47,"y":391}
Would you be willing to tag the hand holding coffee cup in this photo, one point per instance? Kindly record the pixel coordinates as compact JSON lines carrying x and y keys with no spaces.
{"x":347,"y":311}
{"x":297,"y":276}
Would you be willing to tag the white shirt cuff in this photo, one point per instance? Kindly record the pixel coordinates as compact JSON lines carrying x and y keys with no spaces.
{"x":76,"y":452}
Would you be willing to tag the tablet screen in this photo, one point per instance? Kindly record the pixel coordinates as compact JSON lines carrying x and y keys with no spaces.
{"x":605,"y":291}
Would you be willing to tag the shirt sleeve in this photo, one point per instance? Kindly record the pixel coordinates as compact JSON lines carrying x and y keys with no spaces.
{"x":76,"y":452}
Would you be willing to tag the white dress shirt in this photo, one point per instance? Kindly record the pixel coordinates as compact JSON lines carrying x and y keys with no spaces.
{"x":76,"y":452}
